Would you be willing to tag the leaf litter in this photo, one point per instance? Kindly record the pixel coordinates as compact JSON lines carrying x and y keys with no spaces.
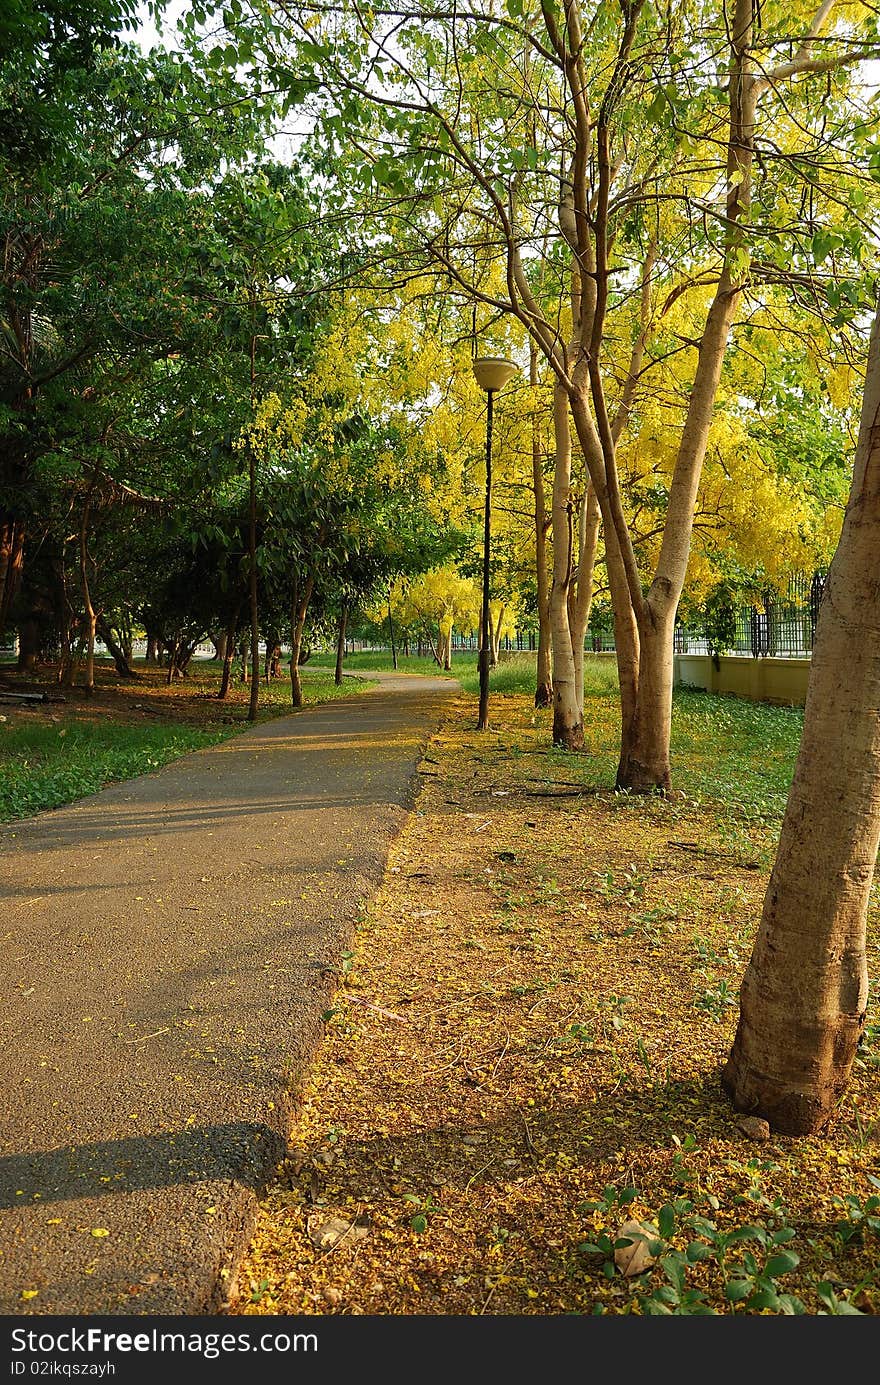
{"x":523,"y":1056}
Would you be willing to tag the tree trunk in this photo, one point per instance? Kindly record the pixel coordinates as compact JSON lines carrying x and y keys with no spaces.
{"x":90,"y":617}
{"x":391,"y":632}
{"x":568,"y":724}
{"x":544,"y":671}
{"x":226,"y":675}
{"x":579,"y":610}
{"x":11,"y":564}
{"x":340,"y":645}
{"x":644,"y":760}
{"x":220,"y":642}
{"x":152,"y":655}
{"x":484,"y":658}
{"x":298,"y":612}
{"x":803,"y":997}
{"x":495,"y":630}
{"x":28,"y":645}
{"x":117,"y":653}
{"x":65,"y":662}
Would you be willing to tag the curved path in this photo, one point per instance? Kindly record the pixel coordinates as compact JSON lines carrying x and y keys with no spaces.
{"x":170,"y":944}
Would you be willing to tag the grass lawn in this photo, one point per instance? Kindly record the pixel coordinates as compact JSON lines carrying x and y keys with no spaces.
{"x":524,"y":1050}
{"x":55,"y":752}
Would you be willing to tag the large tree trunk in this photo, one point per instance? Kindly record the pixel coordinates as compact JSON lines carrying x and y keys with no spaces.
{"x":152,"y":654}
{"x":644,"y":760}
{"x":28,"y":645}
{"x":544,"y":669}
{"x":11,"y":564}
{"x":568,"y":724}
{"x":803,"y":998}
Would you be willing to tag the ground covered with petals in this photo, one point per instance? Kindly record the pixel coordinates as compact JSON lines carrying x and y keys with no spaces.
{"x":524,"y":1049}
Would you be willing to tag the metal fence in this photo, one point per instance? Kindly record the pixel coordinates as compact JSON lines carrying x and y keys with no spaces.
{"x":772,"y":625}
{"x":782,"y":627}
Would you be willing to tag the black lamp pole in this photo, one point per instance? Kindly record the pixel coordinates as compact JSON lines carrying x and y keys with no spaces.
{"x":491,"y":374}
{"x":483,"y":662}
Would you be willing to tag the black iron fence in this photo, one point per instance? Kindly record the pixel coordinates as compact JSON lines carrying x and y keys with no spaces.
{"x":772,"y":625}
{"x":779,"y":626}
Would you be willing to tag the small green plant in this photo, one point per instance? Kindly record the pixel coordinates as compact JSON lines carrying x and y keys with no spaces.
{"x":680,"y":1239}
{"x":716,"y":1000}
{"x":612,"y":1201}
{"x":752,"y":1284}
{"x":629,"y":886}
{"x":610,"y":1012}
{"x":859,"y":1216}
{"x":834,"y":1305}
{"x":427,"y":1208}
{"x":868,"y":1053}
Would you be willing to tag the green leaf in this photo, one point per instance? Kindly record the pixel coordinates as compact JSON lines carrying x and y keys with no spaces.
{"x":697,"y":1251}
{"x":782,"y":1263}
{"x":765,"y":1298}
{"x":666,"y":1220}
{"x":737,"y":1289}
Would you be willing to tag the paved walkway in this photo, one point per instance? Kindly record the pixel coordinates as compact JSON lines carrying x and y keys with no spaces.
{"x":170,"y":945}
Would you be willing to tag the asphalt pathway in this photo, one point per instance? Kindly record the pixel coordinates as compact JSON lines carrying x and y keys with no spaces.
{"x":170,"y":945}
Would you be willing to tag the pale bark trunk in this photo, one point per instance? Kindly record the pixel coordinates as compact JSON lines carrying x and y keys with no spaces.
{"x":803,"y":998}
{"x":568,"y":723}
{"x":495,"y":628}
{"x":644,"y":667}
{"x":644,"y":762}
{"x":544,"y":670}
{"x":626,"y":634}
{"x":588,"y":540}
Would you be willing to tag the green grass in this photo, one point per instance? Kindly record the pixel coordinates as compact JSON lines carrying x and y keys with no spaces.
{"x":381,"y":659}
{"x":45,"y":766}
{"x":735,"y":753}
{"x":514,"y":673}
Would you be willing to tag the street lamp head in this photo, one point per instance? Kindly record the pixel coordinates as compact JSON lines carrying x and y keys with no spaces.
{"x":493,"y":372}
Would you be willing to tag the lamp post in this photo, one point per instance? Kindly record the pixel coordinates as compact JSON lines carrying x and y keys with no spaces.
{"x":492,"y":374}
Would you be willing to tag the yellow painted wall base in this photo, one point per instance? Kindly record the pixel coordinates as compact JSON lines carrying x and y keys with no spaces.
{"x":783,"y":681}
